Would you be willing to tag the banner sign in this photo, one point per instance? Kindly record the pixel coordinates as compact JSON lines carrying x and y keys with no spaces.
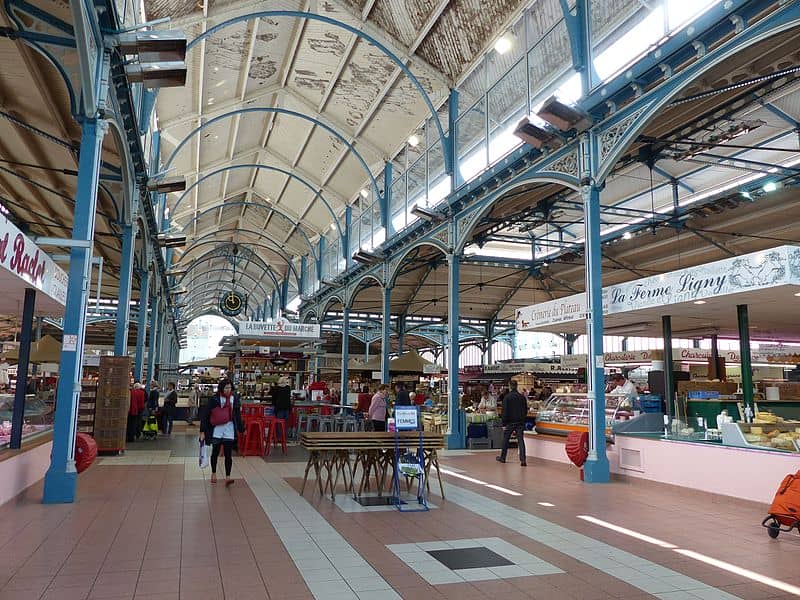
{"x":754,"y":271}
{"x":20,"y":256}
{"x":528,"y":367}
{"x":279,"y":328}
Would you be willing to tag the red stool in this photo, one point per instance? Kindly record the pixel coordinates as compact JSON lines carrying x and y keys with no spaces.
{"x":254,"y":438}
{"x":276,"y":433}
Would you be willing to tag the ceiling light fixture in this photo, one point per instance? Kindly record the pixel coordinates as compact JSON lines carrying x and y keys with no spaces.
{"x":413,"y":140}
{"x":503,"y":44}
{"x":699,"y":301}
{"x":627,"y":235}
{"x":365,"y":193}
{"x":429,"y":215}
{"x":166,"y":185}
{"x":171,"y":240}
{"x":535,"y":135}
{"x":770,"y":186}
{"x":563,"y":116}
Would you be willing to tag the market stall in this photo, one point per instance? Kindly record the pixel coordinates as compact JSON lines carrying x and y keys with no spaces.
{"x":33,"y":285}
{"x":733,"y":402}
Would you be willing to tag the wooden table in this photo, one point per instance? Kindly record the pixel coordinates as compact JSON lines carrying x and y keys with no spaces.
{"x":329,"y":454}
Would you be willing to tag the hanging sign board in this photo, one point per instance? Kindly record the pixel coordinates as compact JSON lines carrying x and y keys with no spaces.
{"x":757,"y":270}
{"x":431,"y":369}
{"x":279,"y":328}
{"x":20,"y":256}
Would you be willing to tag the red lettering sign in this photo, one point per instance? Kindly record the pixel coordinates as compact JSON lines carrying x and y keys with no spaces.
{"x":25,"y":264}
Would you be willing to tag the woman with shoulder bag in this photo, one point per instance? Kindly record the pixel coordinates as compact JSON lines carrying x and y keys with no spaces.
{"x":221,"y":425}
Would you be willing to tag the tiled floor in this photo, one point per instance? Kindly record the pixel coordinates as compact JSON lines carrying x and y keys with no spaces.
{"x":149,"y":526}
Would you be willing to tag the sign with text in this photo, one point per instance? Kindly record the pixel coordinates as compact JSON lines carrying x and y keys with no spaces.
{"x":431,"y":369}
{"x":406,"y":418}
{"x":527,"y":367}
{"x":754,"y":271}
{"x":23,"y":258}
{"x":279,"y":328}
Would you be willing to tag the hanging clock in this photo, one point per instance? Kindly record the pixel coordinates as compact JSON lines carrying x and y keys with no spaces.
{"x":232,"y":303}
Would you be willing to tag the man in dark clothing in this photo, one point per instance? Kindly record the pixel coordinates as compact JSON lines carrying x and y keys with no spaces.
{"x":515,"y":411}
{"x":402,"y":398}
{"x":282,"y":398}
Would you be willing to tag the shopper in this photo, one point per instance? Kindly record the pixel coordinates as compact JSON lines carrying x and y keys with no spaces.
{"x":377,"y":409}
{"x":135,"y":411}
{"x":152,"y":398}
{"x":170,"y":408}
{"x":194,"y":402}
{"x":220,"y":426}
{"x":282,"y":398}
{"x":515,"y":411}
{"x":402,"y":398}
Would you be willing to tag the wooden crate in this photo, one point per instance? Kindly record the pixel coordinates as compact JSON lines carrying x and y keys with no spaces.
{"x":112,"y":403}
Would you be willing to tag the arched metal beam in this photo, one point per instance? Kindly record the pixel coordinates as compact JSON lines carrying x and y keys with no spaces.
{"x":216,"y":313}
{"x":266,"y":207}
{"x":355,"y":31}
{"x":210,"y":255}
{"x":281,"y":111}
{"x":209,"y":297}
{"x":394,"y":267}
{"x":360,"y":287}
{"x":267,"y":245}
{"x":497,"y":195}
{"x":317,"y":193}
{"x":249,"y":276}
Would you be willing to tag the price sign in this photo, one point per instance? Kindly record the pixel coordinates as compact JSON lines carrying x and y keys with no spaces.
{"x":406,"y":418}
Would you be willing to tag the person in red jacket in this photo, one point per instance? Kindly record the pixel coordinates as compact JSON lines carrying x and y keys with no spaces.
{"x":135,"y":411}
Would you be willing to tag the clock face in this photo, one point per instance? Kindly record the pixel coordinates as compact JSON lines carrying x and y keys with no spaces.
{"x":231,"y":303}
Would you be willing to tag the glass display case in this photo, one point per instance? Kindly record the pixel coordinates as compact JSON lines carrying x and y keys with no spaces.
{"x":783,"y":435}
{"x":38,"y":417}
{"x":563,"y":413}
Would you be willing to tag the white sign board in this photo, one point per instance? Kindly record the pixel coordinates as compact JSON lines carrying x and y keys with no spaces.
{"x":70,"y":343}
{"x":528,"y":367}
{"x":279,"y":328}
{"x":431,"y":369}
{"x":406,"y":418}
{"x":754,"y":271}
{"x":20,"y":256}
{"x":377,"y":375}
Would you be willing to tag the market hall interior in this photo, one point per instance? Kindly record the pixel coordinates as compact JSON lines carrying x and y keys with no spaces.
{"x":427,"y":244}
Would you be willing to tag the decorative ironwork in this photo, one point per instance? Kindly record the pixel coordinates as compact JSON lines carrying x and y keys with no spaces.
{"x":566,"y":165}
{"x":608,"y":139}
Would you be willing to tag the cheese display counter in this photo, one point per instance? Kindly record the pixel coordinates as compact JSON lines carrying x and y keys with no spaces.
{"x":563,"y":413}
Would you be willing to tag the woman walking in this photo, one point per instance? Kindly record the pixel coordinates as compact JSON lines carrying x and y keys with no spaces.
{"x":170,"y":408}
{"x":221,"y":425}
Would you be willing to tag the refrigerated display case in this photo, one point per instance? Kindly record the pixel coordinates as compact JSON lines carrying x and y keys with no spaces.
{"x":563,"y":413}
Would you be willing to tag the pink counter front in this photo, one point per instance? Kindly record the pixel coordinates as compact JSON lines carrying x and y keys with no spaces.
{"x":744,"y":473}
{"x":22,"y":468}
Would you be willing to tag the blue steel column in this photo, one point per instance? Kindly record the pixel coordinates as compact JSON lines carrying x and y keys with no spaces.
{"x":303,"y":275}
{"x":125,"y":280}
{"x":285,"y":293}
{"x":151,"y":353}
{"x":401,"y":332}
{"x":141,"y":328}
{"x":345,"y":240}
{"x":18,"y":414}
{"x":386,"y":200}
{"x":452,"y":139}
{"x":455,"y":438}
{"x":162,"y":329}
{"x":345,"y":350}
{"x":386,"y":332}
{"x":61,"y":478}
{"x":596,"y":469}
